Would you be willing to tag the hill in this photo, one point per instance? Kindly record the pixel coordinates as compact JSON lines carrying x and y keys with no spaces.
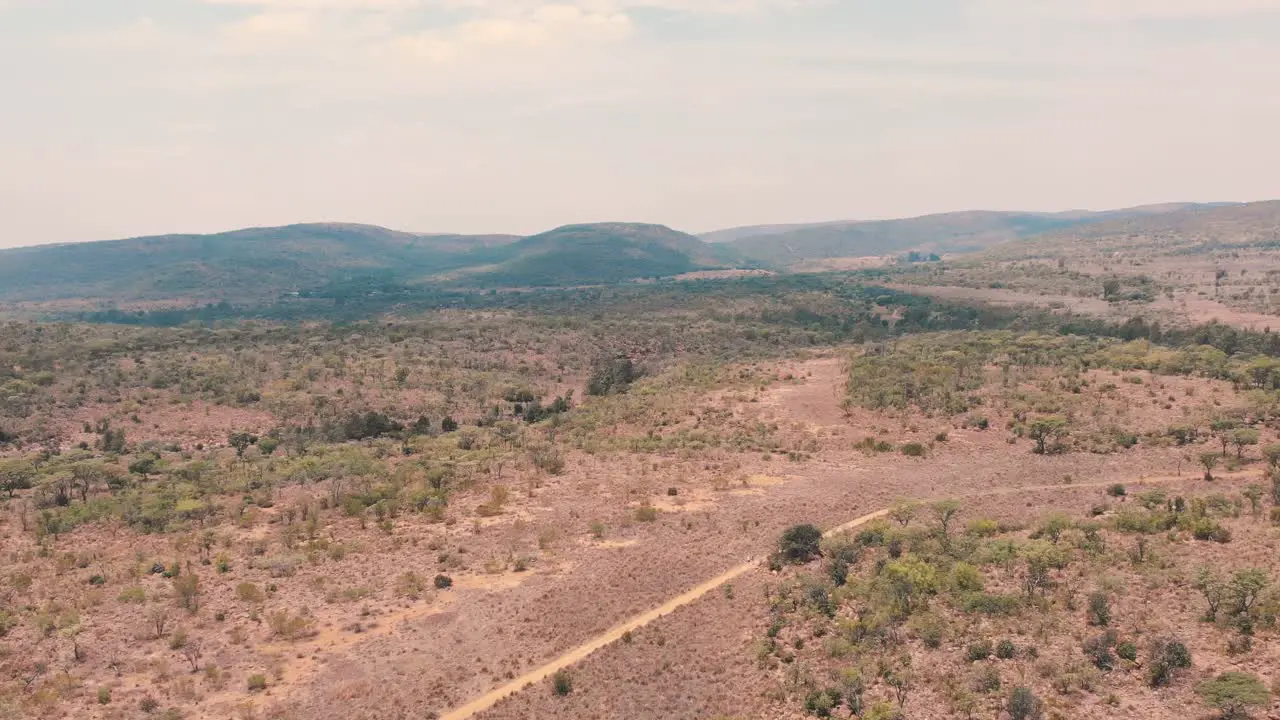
{"x":254,"y":263}
{"x":1184,"y":230}
{"x":260,"y":264}
{"x":957,"y":232}
{"x":594,"y":254}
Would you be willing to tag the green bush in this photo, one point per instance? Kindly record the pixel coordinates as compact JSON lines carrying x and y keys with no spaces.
{"x":991,"y":604}
{"x":562,"y":683}
{"x":1024,"y":705}
{"x":980,"y":650}
{"x":1127,"y":651}
{"x":1005,"y":649}
{"x":1099,"y":609}
{"x":443,"y":582}
{"x":913,"y":449}
{"x":1168,"y":656}
{"x":257,"y":683}
{"x":800,"y":544}
{"x":104,"y":696}
{"x":1232,"y":693}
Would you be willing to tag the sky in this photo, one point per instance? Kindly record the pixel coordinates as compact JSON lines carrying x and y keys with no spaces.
{"x":121,"y":118}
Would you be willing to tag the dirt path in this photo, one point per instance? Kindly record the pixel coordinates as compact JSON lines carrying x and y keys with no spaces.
{"x":615,"y":633}
{"x":817,"y":400}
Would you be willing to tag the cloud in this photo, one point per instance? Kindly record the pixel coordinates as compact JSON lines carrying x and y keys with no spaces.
{"x":1126,"y":10}
{"x":543,"y":28}
{"x":272,"y":26}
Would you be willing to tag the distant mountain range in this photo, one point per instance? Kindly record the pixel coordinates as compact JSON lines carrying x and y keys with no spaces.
{"x":261,"y":264}
{"x":958,"y":232}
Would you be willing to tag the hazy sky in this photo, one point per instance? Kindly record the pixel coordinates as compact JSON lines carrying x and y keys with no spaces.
{"x":129,"y":117}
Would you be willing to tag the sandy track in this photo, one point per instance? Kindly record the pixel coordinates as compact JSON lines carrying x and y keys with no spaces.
{"x":491,"y":698}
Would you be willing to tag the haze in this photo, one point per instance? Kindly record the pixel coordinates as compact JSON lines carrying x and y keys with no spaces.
{"x":150,"y":116}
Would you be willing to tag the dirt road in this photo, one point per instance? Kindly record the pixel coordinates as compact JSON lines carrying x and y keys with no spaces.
{"x":491,"y":698}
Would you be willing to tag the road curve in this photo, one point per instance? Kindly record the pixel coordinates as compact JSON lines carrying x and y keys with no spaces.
{"x":615,"y":633}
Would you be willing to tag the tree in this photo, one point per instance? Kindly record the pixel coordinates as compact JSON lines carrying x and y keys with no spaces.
{"x":1099,"y":609}
{"x":187,"y":586}
{"x":1241,"y":437}
{"x":1168,"y":656}
{"x":904,"y":512}
{"x":1233,"y":693}
{"x":144,"y":466}
{"x":800,"y":544}
{"x":1222,"y":428}
{"x":1272,"y":454}
{"x":1213,"y":590}
{"x":1210,"y":461}
{"x":193,"y":650}
{"x":944,"y":512}
{"x":1253,"y":493}
{"x":1044,"y":429}
{"x":16,"y":474}
{"x":909,"y":582}
{"x":1245,"y":588}
{"x":241,"y":442}
{"x":611,"y":375}
{"x":1110,"y":289}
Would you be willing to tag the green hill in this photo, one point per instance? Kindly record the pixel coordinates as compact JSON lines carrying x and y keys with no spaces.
{"x":247,"y":264}
{"x":260,"y":264}
{"x":944,"y":233}
{"x":595,"y":254}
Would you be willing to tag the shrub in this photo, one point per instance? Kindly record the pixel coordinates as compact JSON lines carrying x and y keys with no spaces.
{"x":990,"y":604}
{"x":984,"y":528}
{"x":1208,"y":529}
{"x":646,"y":513}
{"x":1233,"y":693}
{"x":257,"y":683}
{"x":443,"y":582}
{"x":913,"y":449}
{"x":290,"y":626}
{"x":987,"y":680}
{"x":248,"y":592}
{"x":822,"y":702}
{"x":1098,"y":650}
{"x":1127,"y":651}
{"x":1116,"y":490}
{"x":1024,"y":705}
{"x":104,"y":696}
{"x":980,"y":650}
{"x":800,"y":544}
{"x":1005,"y":649}
{"x":1168,"y":656}
{"x":1099,"y":609}
{"x":966,"y":578}
{"x":562,"y":683}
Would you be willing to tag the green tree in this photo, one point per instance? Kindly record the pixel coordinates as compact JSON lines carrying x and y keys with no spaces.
{"x":1253,"y":493}
{"x":1272,"y":454}
{"x":1244,"y":437}
{"x":909,"y":582}
{"x":241,"y":441}
{"x":16,"y":474}
{"x":1245,"y":588}
{"x":944,"y":513}
{"x":1210,"y":461}
{"x":1222,"y":428}
{"x":1044,"y":429}
{"x":800,"y":544}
